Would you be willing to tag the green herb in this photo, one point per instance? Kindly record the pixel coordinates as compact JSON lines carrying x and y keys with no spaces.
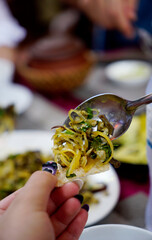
{"x":90,"y":113}
{"x":116,"y":145}
{"x":71,"y":175}
{"x":93,"y":155}
{"x":107,"y":150}
{"x":68,"y":132}
{"x":70,"y":159}
{"x":85,"y":126}
{"x":96,"y":143}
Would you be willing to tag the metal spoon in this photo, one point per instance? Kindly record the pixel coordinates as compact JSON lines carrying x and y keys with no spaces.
{"x":145,"y":40}
{"x":117,"y":110}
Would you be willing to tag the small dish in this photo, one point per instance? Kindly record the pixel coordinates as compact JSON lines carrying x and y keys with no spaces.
{"x":129,"y":72}
{"x":15,"y":94}
{"x":7,"y":69}
{"x":115,"y":232}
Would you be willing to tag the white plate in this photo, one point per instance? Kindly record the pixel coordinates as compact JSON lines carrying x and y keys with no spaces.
{"x":129,"y":72}
{"x":115,"y":232}
{"x":15,"y":94}
{"x":7,"y":69}
{"x":23,"y":140}
{"x":106,"y":202}
{"x":20,"y":141}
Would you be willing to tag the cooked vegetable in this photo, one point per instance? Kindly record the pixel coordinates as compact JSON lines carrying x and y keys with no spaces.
{"x":16,"y":169}
{"x":84,"y":144}
{"x":107,"y":124}
{"x":88,"y":191}
{"x":7,"y":118}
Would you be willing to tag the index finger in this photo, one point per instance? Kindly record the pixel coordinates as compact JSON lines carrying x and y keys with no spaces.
{"x":121,"y":21}
{"x":37,"y":191}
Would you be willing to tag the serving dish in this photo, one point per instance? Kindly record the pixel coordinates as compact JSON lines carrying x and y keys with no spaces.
{"x":129,"y":73}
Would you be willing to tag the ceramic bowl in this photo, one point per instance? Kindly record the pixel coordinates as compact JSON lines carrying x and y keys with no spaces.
{"x":115,"y":232}
{"x":129,"y":73}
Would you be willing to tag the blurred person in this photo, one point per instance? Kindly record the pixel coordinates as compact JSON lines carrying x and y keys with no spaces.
{"x":111,"y":14}
{"x":115,"y":21}
{"x":39,"y":211}
{"x":35,"y":15}
{"x":104,"y":24}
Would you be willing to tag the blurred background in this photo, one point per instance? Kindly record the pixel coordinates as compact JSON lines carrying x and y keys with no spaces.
{"x":53,"y":55}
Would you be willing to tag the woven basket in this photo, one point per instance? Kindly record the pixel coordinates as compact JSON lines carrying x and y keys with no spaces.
{"x":55,"y":65}
{"x":55,"y":80}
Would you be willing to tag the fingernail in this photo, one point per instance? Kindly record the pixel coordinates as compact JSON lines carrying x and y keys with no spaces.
{"x":86,"y":207}
{"x":79,"y":182}
{"x":79,"y":197}
{"x":50,"y":167}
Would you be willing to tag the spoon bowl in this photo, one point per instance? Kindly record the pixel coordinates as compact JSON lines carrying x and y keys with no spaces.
{"x":118,"y":111}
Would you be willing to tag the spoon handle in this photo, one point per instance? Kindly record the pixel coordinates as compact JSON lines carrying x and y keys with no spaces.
{"x":133,"y":105}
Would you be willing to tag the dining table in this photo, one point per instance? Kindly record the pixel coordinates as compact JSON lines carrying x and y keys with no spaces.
{"x":49,"y":110}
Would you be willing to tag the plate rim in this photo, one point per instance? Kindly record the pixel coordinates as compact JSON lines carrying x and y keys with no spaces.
{"x":115,"y":201}
{"x":4,"y":136}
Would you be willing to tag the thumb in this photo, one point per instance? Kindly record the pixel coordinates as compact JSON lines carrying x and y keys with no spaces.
{"x":37,"y":191}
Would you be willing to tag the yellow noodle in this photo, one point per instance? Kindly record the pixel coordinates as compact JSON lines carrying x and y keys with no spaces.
{"x":64,"y":160}
{"x":75,"y":162}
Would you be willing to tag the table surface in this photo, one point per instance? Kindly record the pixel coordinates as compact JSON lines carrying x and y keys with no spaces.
{"x":133,"y":197}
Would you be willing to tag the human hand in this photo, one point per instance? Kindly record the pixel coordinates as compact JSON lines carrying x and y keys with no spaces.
{"x":110,"y":14}
{"x":41,"y":211}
